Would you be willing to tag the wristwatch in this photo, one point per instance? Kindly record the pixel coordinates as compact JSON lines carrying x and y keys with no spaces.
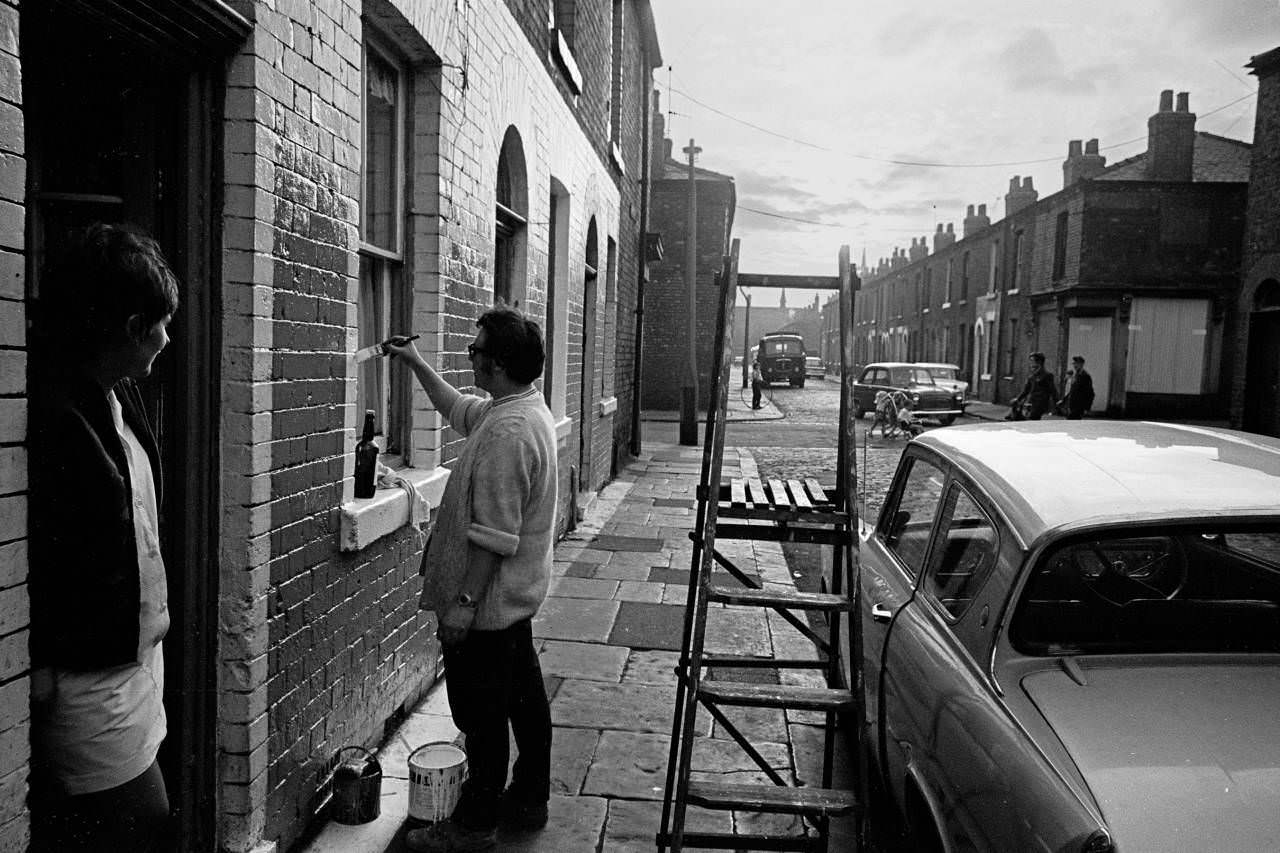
{"x":465,"y":600}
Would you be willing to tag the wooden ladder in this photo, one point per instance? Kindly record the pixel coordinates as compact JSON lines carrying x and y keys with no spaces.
{"x":780,"y":511}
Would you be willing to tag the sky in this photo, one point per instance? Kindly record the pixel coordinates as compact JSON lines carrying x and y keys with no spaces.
{"x":808,"y":103}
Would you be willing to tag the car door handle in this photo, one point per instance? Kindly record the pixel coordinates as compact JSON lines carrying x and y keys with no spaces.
{"x":881,"y":612}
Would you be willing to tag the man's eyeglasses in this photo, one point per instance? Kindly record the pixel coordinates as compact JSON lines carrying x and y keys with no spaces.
{"x":472,"y":349}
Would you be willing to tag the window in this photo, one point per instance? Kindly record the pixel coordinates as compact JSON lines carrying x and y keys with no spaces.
{"x":1060,"y":247}
{"x":964,"y":276}
{"x":993,"y":267}
{"x":907,"y":519}
{"x":563,"y":16}
{"x":382,"y":307}
{"x":946,"y":291}
{"x":1016,"y":269}
{"x":510,"y":207}
{"x":965,"y":553}
{"x":615,"y":91}
{"x":928,"y":286}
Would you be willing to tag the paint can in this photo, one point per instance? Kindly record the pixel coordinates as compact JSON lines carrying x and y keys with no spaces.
{"x":357,"y":786}
{"x":436,"y":773}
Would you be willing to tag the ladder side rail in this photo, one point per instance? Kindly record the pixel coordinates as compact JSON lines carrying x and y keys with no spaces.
{"x":713,"y":455}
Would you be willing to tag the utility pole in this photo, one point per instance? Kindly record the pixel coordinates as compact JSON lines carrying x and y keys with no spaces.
{"x":689,"y":391}
{"x":746,"y":341}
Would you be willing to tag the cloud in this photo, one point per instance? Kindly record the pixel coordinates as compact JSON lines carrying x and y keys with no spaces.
{"x":1227,"y":22}
{"x":1031,"y":63}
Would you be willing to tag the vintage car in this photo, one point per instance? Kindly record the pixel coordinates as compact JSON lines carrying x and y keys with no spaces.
{"x":1070,"y":639}
{"x":781,"y":357}
{"x":814,"y":368}
{"x":928,"y":399}
{"x":947,"y":376}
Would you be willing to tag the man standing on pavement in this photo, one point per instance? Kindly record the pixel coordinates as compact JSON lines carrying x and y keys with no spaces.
{"x":487,"y":568}
{"x":757,"y":383}
{"x":1078,"y":398}
{"x":1040,"y":391}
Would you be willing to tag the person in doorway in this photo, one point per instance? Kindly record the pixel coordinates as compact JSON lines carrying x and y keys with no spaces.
{"x":757,"y":384}
{"x":1040,"y":391}
{"x":1078,"y":396}
{"x":487,"y":569}
{"x":99,"y":596}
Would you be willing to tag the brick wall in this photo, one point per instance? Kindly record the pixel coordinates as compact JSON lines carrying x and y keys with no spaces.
{"x":666,"y":299}
{"x":15,"y":713}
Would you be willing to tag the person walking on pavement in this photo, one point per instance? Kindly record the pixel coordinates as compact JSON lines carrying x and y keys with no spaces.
{"x":757,"y":384}
{"x":1040,"y":391}
{"x":487,"y":567}
{"x":99,"y":596}
{"x":1078,"y":396}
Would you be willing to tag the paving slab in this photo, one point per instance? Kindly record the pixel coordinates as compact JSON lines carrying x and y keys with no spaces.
{"x":588,"y":661}
{"x":622,"y":571}
{"x":580,"y":619}
{"x":632,"y":825}
{"x":640,"y":591}
{"x":571,"y":754}
{"x":651,"y":667}
{"x":737,"y":631}
{"x":572,"y":587}
{"x":648,"y":626}
{"x":610,"y":542}
{"x":574,"y":824}
{"x":628,"y":706}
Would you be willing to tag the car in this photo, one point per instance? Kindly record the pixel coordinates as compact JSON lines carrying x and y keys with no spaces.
{"x":928,"y":399}
{"x":1069,"y":639}
{"x":947,"y":376}
{"x":814,"y":368}
{"x":781,"y":356}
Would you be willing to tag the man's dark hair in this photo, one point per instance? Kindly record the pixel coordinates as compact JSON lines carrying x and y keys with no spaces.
{"x":1038,"y":356}
{"x":514,"y":341}
{"x":1078,"y":358}
{"x":106,"y":275}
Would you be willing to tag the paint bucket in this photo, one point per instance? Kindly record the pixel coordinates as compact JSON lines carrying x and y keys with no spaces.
{"x":357,"y":786}
{"x":436,"y":773}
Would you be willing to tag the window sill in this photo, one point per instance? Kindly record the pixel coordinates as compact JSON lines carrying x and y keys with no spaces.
{"x":1013,"y":292}
{"x":615,"y":153}
{"x":946,"y":305}
{"x":564,"y":58}
{"x":607,"y":406}
{"x":563,"y":427}
{"x":365,"y":521}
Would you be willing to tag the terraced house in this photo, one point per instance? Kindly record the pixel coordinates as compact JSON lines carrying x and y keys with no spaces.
{"x":322,"y":173}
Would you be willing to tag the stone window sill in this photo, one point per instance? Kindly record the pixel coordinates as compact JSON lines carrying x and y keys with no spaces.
{"x":615,"y":154}
{"x":365,"y":521}
{"x":1013,"y":292}
{"x":607,"y":406}
{"x":563,"y":427}
{"x":946,"y":305}
{"x":564,"y":58}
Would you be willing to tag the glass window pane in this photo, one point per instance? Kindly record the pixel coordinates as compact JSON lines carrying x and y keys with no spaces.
{"x":909,"y":518}
{"x":371,"y":317}
{"x":381,"y":147}
{"x":966,"y":553}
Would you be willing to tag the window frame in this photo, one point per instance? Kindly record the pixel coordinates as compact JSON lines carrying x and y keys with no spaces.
{"x":889,"y":511}
{"x":951,"y":490}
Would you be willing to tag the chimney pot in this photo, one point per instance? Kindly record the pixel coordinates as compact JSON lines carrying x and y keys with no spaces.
{"x":939,"y":227}
{"x":982,"y":210}
{"x":1026,"y":183}
{"x":1013,"y":183}
{"x":968,"y":211}
{"x":1184,"y":105}
{"x":1166,"y":100}
{"x":1091,"y":147}
{"x":1073,"y":148}
{"x":951,"y":228}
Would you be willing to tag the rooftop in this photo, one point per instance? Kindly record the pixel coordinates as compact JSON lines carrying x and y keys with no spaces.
{"x":1217,"y":159}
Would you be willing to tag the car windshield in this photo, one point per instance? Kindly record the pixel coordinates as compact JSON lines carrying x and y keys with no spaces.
{"x":784,"y":346}
{"x":905,"y":376}
{"x":948,"y":373}
{"x":1179,"y":590}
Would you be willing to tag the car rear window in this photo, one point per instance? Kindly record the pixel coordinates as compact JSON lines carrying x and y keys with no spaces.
{"x":784,"y":346}
{"x":1176,"y":590}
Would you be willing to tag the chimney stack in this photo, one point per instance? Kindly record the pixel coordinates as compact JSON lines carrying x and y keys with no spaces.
{"x":919,"y":248}
{"x":1021,"y":194}
{"x":974,"y":222}
{"x":942,"y":239}
{"x":1171,"y":139}
{"x":1082,"y":164}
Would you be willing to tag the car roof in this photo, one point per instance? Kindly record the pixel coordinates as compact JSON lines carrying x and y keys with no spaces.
{"x":782,"y":335}
{"x":937,"y":364}
{"x":893,"y":364}
{"x":1056,"y":475}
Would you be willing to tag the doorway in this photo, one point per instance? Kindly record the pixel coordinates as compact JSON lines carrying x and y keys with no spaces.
{"x":122,"y":126}
{"x":1262,"y":374}
{"x":1090,"y":337}
{"x":587,"y":394}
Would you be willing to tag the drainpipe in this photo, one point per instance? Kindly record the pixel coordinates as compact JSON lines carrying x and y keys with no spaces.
{"x":641,"y":264}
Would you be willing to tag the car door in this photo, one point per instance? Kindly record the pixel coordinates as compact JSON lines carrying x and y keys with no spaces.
{"x":893,"y":557}
{"x":864,"y":392}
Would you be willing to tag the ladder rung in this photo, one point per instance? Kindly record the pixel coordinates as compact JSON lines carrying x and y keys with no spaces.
{"x":730,"y":841}
{"x":753,"y":695}
{"x":817,"y":802}
{"x":776,"y":598}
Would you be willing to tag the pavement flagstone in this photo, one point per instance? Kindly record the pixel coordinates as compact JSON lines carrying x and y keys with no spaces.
{"x":608,"y":637}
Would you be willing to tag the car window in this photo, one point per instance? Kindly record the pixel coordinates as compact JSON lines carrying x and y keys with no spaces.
{"x":898,"y":376}
{"x":1260,"y":546}
{"x":921,"y":376}
{"x":1175,"y":590}
{"x":783,"y":346}
{"x":907,"y":519}
{"x":965,"y":553}
{"x":942,"y":373}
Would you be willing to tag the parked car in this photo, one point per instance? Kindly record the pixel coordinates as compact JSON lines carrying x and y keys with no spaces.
{"x":814,"y":368}
{"x":928,"y":399}
{"x":781,"y":356}
{"x":947,"y":376}
{"x":1070,"y":638}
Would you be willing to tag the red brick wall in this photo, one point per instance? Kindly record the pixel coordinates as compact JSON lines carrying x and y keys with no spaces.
{"x":15,"y":663}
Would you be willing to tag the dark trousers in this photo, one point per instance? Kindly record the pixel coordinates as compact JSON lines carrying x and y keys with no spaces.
{"x":132,"y":816}
{"x":755,"y":394}
{"x":494,"y":680}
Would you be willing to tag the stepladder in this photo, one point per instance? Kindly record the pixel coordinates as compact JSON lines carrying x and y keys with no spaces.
{"x":719,"y":691}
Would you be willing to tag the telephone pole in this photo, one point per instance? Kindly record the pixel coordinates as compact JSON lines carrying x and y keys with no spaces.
{"x":689,"y":390}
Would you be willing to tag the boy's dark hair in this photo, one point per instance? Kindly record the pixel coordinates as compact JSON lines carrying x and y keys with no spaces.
{"x":107,"y":274}
{"x":1038,"y":356}
{"x":514,"y":341}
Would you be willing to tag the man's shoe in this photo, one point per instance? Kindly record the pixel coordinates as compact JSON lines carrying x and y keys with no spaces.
{"x":521,"y":815}
{"x":448,"y":836}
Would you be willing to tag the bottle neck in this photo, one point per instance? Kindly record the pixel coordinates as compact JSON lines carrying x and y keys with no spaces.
{"x":368,"y":428}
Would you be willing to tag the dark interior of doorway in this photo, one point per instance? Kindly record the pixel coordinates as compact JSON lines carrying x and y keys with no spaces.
{"x":119,"y":131}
